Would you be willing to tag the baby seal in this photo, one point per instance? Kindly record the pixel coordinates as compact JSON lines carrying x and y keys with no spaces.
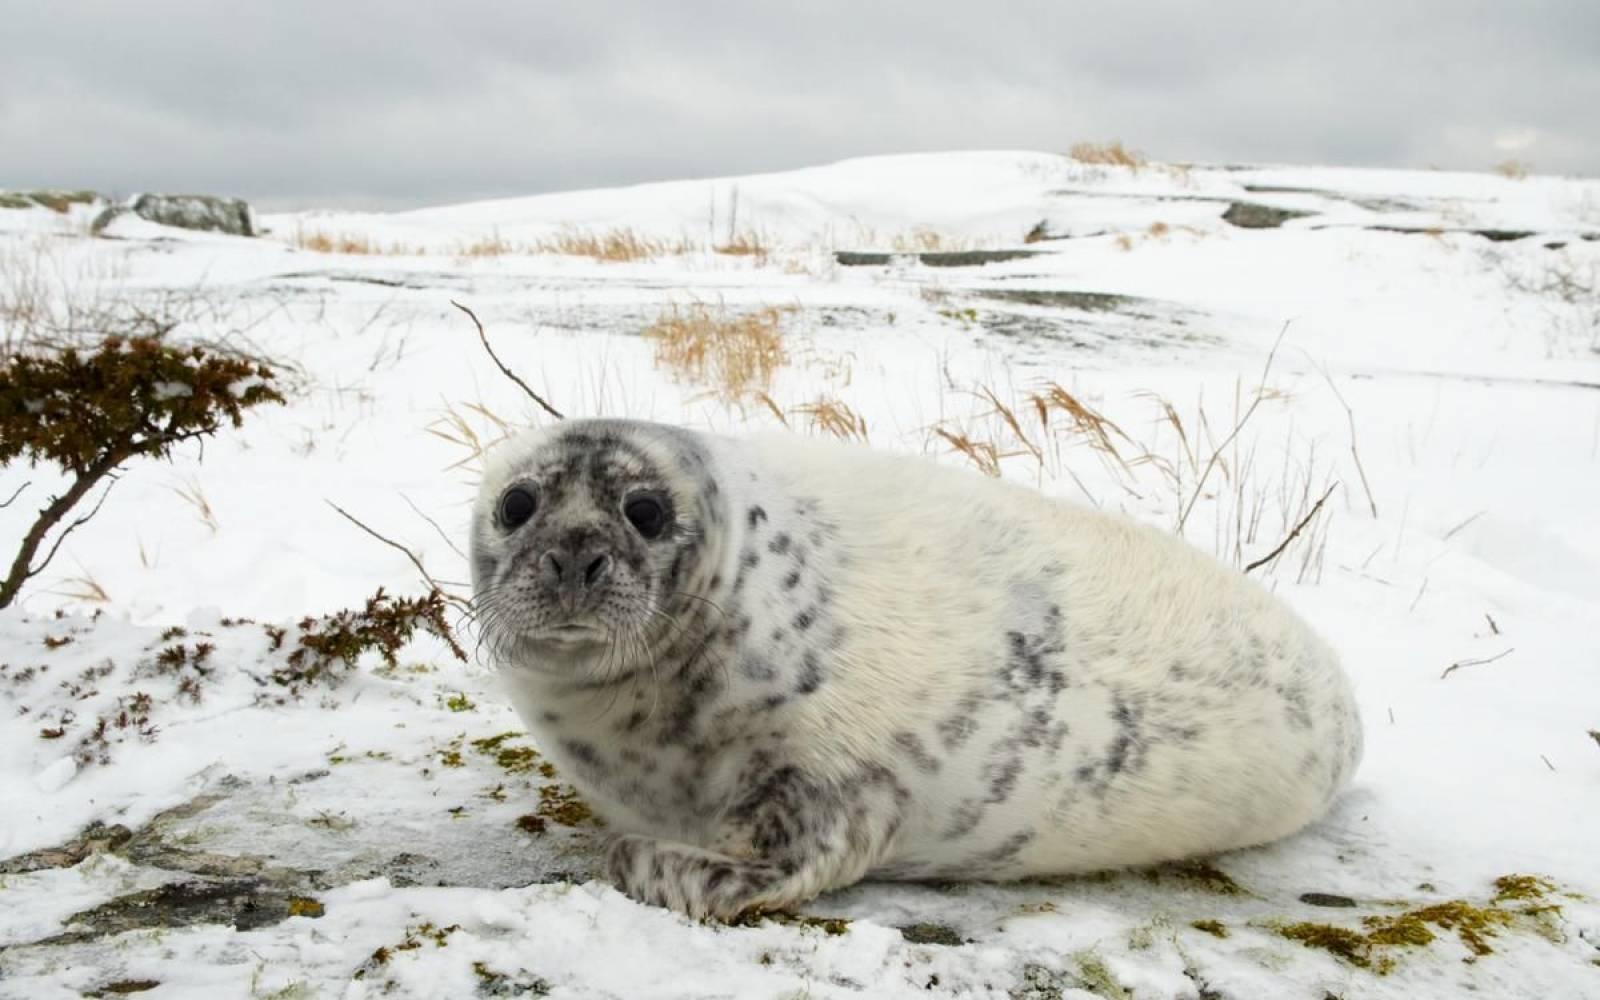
{"x":776,"y":666}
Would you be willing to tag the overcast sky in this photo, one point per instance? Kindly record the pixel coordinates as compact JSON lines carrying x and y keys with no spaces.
{"x":401,"y":103}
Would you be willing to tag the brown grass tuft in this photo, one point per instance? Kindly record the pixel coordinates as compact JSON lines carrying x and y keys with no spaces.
{"x":984,"y":455}
{"x":746,"y":244}
{"x":1513,"y":169}
{"x":734,"y":354}
{"x":1110,"y":154}
{"x":347,"y":243}
{"x":834,"y":416}
{"x":616,"y":245}
{"x":1084,"y":419}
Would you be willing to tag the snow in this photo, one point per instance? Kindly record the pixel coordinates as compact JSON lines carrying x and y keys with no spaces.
{"x":1474,"y":396}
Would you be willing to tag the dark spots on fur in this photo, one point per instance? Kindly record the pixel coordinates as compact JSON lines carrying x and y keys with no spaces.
{"x":757,"y":667}
{"x":792,"y":580}
{"x":635,"y":720}
{"x":716,"y":581}
{"x":1033,"y":659}
{"x":804,"y":620}
{"x":1296,"y":706}
{"x":585,"y":754}
{"x":1002,"y":771}
{"x":810,"y":673}
{"x":959,"y":727}
{"x":778,"y":635}
{"x":779,"y":544}
{"x":748,"y":559}
{"x":1009,"y":848}
{"x":773,"y":701}
{"x":754,"y":516}
{"x":550,"y":717}
{"x":1177,"y":671}
{"x":913,"y":747}
{"x":965,"y":820}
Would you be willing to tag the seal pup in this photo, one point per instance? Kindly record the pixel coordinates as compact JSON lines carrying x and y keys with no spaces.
{"x":777,"y":665}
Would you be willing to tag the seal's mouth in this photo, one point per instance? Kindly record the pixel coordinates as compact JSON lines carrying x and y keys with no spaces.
{"x":571,"y":632}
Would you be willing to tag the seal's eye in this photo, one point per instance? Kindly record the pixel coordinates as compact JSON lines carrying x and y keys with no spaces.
{"x":516,"y":506}
{"x":647,"y":515}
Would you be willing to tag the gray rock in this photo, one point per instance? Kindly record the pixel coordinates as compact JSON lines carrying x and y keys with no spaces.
{"x":936,"y":258}
{"x":1249,"y":215}
{"x":204,"y":212}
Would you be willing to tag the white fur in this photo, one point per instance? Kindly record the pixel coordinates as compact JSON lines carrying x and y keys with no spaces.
{"x":1199,"y":713}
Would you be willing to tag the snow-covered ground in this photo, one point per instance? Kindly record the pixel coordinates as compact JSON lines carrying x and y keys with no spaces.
{"x":1425,"y":344}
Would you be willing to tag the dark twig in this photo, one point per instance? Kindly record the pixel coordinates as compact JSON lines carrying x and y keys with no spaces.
{"x":68,"y":530}
{"x":13,"y":497}
{"x":1216,"y":455}
{"x":508,"y":373}
{"x":1276,"y":552}
{"x":427,"y":577}
{"x":1355,"y":452}
{"x":1474,"y":663}
{"x":442,"y":536}
{"x":1594,"y":734}
{"x":1547,"y":762}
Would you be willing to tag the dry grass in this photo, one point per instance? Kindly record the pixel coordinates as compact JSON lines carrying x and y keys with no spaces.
{"x":1513,"y":169}
{"x":1263,"y":499}
{"x":831,"y":416}
{"x":195,"y":497}
{"x":746,"y":244}
{"x":457,"y":429}
{"x":734,"y":354}
{"x":616,"y":245}
{"x":487,"y":246}
{"x":348,"y":243}
{"x":1108,"y":154}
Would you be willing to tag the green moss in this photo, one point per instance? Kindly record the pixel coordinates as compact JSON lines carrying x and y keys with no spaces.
{"x":832,"y":926}
{"x":1200,"y":875}
{"x":531,"y":824}
{"x":561,"y":804}
{"x":517,"y":760}
{"x":1215,"y":928}
{"x":303,"y":906}
{"x":459,"y":702}
{"x":1341,"y":941}
{"x":1474,"y":926}
{"x":1097,"y":978}
{"x":1521,"y":888}
{"x":490,"y":744}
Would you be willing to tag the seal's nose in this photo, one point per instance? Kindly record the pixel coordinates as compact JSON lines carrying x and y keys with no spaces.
{"x":572,"y":572}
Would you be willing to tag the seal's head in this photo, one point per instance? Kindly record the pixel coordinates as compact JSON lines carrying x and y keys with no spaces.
{"x":587,"y":540}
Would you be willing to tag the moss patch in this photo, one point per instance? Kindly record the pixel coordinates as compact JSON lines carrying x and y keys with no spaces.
{"x":832,"y":926}
{"x":1522,"y":888}
{"x":560,"y":804}
{"x":303,"y":906}
{"x":1199,"y":875}
{"x":1215,"y":928}
{"x":1517,"y":898}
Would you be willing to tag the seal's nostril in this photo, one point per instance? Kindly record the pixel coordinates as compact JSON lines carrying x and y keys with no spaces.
{"x":597,"y":570}
{"x":550,"y":567}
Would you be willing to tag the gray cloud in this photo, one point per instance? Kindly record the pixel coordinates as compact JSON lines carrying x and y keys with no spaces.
{"x":404,"y":103}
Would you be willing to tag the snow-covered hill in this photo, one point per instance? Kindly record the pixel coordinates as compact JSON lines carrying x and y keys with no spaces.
{"x":1424,"y":345}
